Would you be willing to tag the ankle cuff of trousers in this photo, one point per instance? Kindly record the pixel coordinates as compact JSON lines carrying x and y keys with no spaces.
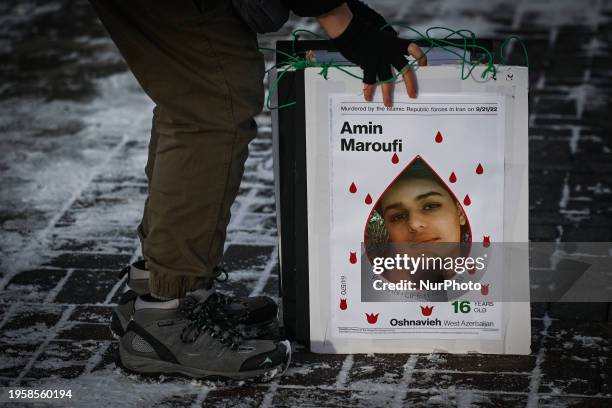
{"x":176,"y":286}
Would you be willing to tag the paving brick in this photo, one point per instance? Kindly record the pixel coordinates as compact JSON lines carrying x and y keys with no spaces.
{"x":91,"y":245}
{"x":543,"y":233}
{"x":30,"y":324}
{"x":33,"y":285}
{"x":176,"y":401}
{"x":238,"y":257}
{"x":596,"y":312}
{"x":557,"y":106}
{"x":89,"y":261}
{"x":573,"y":362}
{"x":87,"y":286}
{"x":538,"y":309}
{"x":479,"y":363}
{"x":560,"y":375}
{"x":458,"y":397}
{"x":63,"y":359}
{"x":236,"y":396}
{"x":272,"y":287}
{"x":553,"y":121}
{"x":605,"y":375}
{"x":377,"y":369}
{"x":500,"y":400}
{"x":4,"y":309}
{"x":15,"y":357}
{"x":5,"y":381}
{"x":426,"y":398}
{"x":582,"y":339}
{"x":85,"y":331}
{"x":313,"y":369}
{"x":288,"y":397}
{"x":268,"y":208}
{"x":244,"y":264}
{"x":91,"y":314}
{"x":486,"y":381}
{"x":593,"y":233}
{"x":573,"y":402}
{"x":537,"y":329}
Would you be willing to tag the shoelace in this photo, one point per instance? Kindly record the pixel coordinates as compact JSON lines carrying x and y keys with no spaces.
{"x":226,"y":300}
{"x":209,"y":316}
{"x":217,"y":302}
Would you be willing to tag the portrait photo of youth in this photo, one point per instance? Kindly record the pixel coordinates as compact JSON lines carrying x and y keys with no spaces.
{"x":418,"y":214}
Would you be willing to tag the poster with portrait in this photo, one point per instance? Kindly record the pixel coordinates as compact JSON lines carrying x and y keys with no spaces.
{"x":443,"y":177}
{"x":418,"y":183}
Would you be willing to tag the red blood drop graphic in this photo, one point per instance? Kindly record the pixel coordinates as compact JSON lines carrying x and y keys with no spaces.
{"x":343,"y":304}
{"x":395,"y":158}
{"x":467,"y":200}
{"x":484,"y":289}
{"x":439,"y":137}
{"x":353,"y":188}
{"x":479,"y":169}
{"x":368,"y":199}
{"x":452,"y":177}
{"x":372,"y":318}
{"x":353,"y":258}
{"x":426,"y":310}
{"x":486,"y":241}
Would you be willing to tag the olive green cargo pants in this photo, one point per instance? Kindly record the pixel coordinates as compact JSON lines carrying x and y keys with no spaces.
{"x":200,"y":65}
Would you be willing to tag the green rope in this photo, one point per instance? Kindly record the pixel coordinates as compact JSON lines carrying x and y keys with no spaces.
{"x":502,"y":48}
{"x":467,"y":66}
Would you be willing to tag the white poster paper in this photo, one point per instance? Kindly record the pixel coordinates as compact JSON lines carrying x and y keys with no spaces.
{"x":424,"y":171}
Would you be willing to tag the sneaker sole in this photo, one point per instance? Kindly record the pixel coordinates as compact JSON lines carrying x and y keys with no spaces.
{"x":149,"y":366}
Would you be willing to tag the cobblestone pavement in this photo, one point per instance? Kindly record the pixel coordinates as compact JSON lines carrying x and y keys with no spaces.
{"x":74,"y":126}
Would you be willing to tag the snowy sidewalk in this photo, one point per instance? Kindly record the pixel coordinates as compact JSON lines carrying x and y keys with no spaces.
{"x":74,"y":131}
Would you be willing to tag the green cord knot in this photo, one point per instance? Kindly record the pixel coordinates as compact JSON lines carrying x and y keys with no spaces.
{"x":325,"y":66}
{"x":300,"y":64}
{"x":490,"y":68}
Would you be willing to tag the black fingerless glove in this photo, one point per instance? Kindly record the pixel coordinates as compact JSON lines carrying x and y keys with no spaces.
{"x":374,"y":50}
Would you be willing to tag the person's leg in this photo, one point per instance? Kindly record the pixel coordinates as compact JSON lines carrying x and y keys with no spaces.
{"x":204,"y":72}
{"x":143,"y":227}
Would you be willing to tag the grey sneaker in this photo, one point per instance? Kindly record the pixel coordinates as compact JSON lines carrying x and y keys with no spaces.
{"x":183,"y":336}
{"x":253,"y":317}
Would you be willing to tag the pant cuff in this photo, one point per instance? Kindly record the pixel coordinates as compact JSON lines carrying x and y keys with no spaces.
{"x":176,"y":286}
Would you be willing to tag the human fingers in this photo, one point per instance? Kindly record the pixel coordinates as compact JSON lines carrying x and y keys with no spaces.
{"x":417,"y":53}
{"x":369,"y":83}
{"x":387,"y":92}
{"x":385,"y":74}
{"x":408,"y":73}
{"x":368,"y":92}
{"x":410,"y":81}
